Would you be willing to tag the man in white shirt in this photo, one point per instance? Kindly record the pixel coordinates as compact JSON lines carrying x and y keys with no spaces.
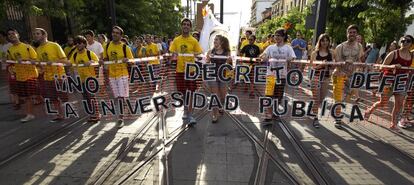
{"x":278,"y":55}
{"x":93,"y":45}
{"x":4,"y":45}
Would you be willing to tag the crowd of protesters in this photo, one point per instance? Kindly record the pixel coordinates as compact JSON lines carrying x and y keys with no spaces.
{"x":30,"y":83}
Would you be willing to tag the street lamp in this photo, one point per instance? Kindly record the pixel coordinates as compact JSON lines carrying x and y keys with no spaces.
{"x":221,"y":10}
{"x":112,"y":12}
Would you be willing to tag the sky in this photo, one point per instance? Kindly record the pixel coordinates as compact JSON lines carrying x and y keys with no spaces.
{"x":240,"y":7}
{"x":238,"y":15}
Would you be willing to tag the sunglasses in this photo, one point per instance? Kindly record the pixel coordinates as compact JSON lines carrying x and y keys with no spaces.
{"x":406,"y":41}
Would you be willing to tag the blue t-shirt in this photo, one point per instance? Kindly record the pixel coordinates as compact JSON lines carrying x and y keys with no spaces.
{"x":302,"y":44}
{"x":372,"y":56}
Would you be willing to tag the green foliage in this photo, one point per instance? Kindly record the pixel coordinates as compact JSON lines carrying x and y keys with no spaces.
{"x":135,"y":16}
{"x":294,"y":17}
{"x":380,"y":21}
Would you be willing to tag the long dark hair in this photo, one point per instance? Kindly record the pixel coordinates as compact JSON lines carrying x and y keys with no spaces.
{"x":224,"y":43}
{"x":322,"y":37}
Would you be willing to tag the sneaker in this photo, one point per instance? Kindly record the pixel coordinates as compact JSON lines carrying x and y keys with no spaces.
{"x":192,"y":121}
{"x":57,"y":119}
{"x":120,"y":123}
{"x":28,"y":118}
{"x":403,"y":123}
{"x":315,"y":122}
{"x":338,"y":124}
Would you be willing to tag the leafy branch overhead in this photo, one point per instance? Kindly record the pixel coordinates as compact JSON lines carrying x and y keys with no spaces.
{"x":136,"y":17}
{"x":380,"y":21}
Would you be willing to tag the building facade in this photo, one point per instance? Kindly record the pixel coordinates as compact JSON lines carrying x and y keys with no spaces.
{"x":258,"y":7}
{"x":282,"y":7}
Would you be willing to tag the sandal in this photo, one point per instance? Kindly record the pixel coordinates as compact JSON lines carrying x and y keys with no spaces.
{"x":367,"y":114}
{"x":214,"y":119}
{"x":395,"y":129}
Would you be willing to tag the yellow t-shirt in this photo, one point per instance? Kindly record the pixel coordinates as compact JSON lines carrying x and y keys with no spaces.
{"x":140,"y":52}
{"x":114,"y":52}
{"x":51,"y":52}
{"x":23,"y":52}
{"x":152,"y":50}
{"x":246,"y":42}
{"x":184,"y":45}
{"x":67,"y":49}
{"x":84,"y":72}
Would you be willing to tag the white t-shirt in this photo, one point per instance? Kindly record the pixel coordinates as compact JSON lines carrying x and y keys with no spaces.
{"x":284,"y":52}
{"x":96,"y":47}
{"x":159,"y":46}
{"x":4,"y":48}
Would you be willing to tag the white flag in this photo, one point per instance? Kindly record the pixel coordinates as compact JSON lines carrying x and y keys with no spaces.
{"x":211,"y":28}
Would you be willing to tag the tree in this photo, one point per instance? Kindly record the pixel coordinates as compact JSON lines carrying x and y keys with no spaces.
{"x":380,"y":21}
{"x":294,"y":18}
{"x":136,"y":17}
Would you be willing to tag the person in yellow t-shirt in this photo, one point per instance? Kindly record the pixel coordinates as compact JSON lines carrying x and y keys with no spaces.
{"x":69,"y":47}
{"x":86,"y":57}
{"x":117,"y":51}
{"x":246,"y":42}
{"x":51,"y":53}
{"x":152,"y":50}
{"x":185,"y":44}
{"x":26,"y":74}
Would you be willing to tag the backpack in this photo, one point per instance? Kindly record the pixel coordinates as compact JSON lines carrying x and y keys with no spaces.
{"x":71,"y":51}
{"x":87,"y":53}
{"x":123,"y":50}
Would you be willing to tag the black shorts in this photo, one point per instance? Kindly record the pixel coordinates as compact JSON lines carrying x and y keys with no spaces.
{"x":184,"y":85}
{"x":26,"y":88}
{"x":48,"y":90}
